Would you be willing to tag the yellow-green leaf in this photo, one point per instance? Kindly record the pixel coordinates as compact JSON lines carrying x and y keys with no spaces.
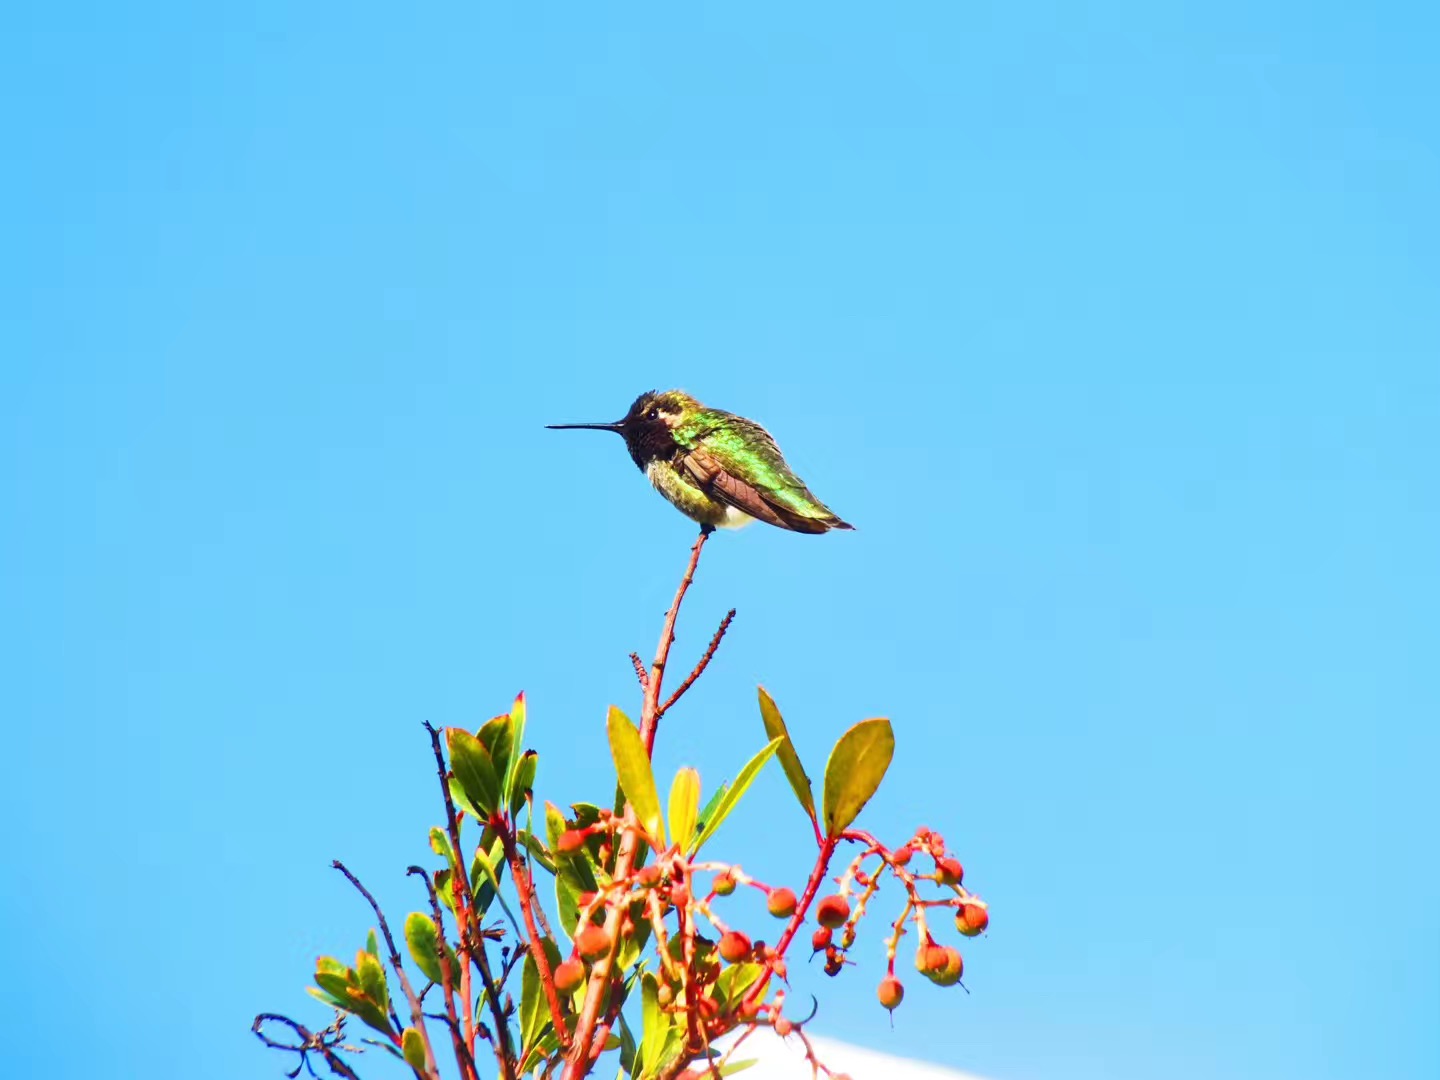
{"x":371,"y":976}
{"x":789,"y":759}
{"x":734,"y":981}
{"x":413,"y":1047}
{"x":684,"y":807}
{"x":440,"y":844}
{"x":854,"y":771}
{"x":736,"y":790}
{"x":632,"y":765}
{"x":422,"y":940}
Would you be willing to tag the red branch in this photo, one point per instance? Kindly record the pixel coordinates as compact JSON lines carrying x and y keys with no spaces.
{"x":582,"y":1050}
{"x":802,"y":910}
{"x":520,"y":875}
{"x":701,"y":666}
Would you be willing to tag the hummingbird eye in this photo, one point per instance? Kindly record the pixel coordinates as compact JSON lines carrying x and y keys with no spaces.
{"x":655,"y":414}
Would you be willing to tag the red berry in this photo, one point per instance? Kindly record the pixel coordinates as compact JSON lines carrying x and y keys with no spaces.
{"x":724,"y":884}
{"x":783,"y":1026}
{"x":833,"y":911}
{"x":891,"y":993}
{"x":592,"y":942}
{"x":971,"y":919}
{"x":821,"y":939}
{"x":734,"y":946}
{"x":569,"y":975}
{"x":901,"y":855}
{"x":782,"y":903}
{"x":950,"y":871}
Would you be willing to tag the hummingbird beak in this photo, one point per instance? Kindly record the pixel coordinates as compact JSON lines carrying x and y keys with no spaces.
{"x":617,"y":427}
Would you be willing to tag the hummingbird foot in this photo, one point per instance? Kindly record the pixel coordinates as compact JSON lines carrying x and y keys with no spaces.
{"x":706,"y":530}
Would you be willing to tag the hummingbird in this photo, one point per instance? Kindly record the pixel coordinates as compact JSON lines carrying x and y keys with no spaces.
{"x":715,"y":467}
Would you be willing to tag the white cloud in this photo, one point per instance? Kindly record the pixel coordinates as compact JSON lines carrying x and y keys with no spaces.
{"x":784,"y":1059}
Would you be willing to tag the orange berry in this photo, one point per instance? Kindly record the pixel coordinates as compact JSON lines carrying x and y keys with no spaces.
{"x":950,"y":968}
{"x":569,"y":975}
{"x":781,"y":903}
{"x":734,"y":946}
{"x":949,"y":871}
{"x":724,"y":884}
{"x":891,"y":993}
{"x":971,"y":919}
{"x":592,"y":942}
{"x":833,"y":911}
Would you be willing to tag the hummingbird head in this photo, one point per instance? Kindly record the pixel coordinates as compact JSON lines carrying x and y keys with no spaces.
{"x":649,"y":425}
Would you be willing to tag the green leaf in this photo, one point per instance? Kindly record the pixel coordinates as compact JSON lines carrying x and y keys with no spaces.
{"x":736,"y":790}
{"x":538,"y":851}
{"x":632,"y":764}
{"x":337,"y":986}
{"x":632,"y":946}
{"x":708,"y":810}
{"x":462,"y":801}
{"x":789,"y":759}
{"x":413,"y":1047}
{"x":523,"y":781}
{"x":498,"y":738}
{"x":684,"y":807}
{"x":854,"y":771}
{"x":443,"y":889}
{"x":738,"y":1066}
{"x":372,"y":946}
{"x":474,"y":770}
{"x":627,"y":1048}
{"x":371,"y":975}
{"x":326,"y":999}
{"x":545,"y":1046}
{"x":734,"y":981}
{"x":365,"y":1007}
{"x":420,"y":936}
{"x":517,"y":739}
{"x":485,"y":873}
{"x":534,"y":1009}
{"x":659,"y":1041}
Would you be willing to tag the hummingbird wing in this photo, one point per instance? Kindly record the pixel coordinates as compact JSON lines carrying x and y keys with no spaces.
{"x":738,"y":462}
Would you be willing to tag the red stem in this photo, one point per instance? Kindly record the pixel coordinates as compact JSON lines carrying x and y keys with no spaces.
{"x":582,"y":1050}
{"x":525,"y":888}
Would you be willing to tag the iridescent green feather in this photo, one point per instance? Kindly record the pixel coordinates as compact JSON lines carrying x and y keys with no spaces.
{"x":747,"y":451}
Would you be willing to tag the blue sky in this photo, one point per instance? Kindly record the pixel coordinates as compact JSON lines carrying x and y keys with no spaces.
{"x":1113,"y":328}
